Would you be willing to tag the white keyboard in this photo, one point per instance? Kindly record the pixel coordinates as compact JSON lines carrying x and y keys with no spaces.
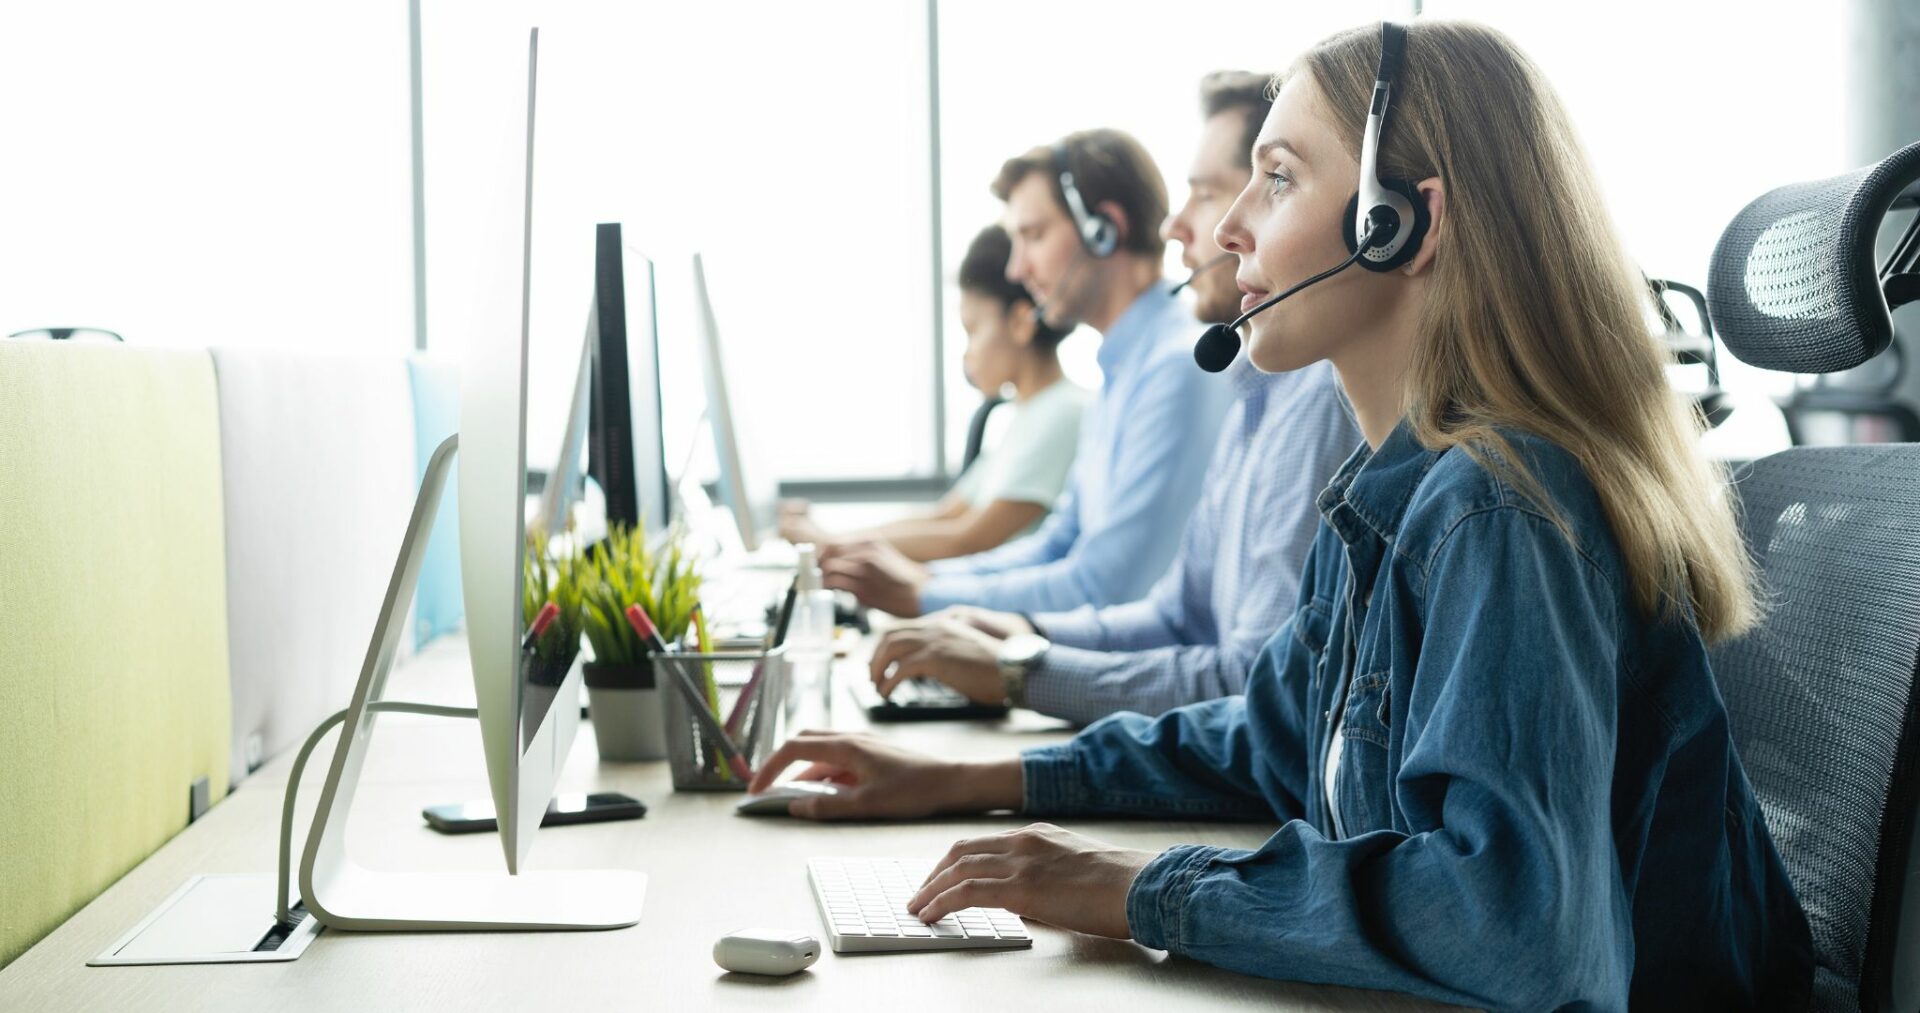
{"x":863,"y":903}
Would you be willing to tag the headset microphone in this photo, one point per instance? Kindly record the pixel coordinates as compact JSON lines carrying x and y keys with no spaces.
{"x":1216,"y":348}
{"x":1202,"y":269}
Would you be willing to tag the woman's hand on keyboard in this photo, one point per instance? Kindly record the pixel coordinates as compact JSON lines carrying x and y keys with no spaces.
{"x":879,"y":781}
{"x":1041,"y":872}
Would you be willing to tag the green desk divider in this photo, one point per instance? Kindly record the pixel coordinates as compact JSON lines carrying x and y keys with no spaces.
{"x":113,"y":630}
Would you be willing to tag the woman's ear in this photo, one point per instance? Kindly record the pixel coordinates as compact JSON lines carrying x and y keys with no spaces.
{"x":1434,"y":193}
{"x":1022,"y":321}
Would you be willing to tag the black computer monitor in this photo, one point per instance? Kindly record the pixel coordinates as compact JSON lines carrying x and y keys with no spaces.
{"x":625,"y":454}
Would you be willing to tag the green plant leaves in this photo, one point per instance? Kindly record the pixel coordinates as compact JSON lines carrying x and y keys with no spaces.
{"x":622,"y":572}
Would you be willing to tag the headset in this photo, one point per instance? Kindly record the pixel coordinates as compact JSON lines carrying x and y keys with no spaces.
{"x":1384,"y":224}
{"x":1394,"y":204}
{"x":1099,"y":234}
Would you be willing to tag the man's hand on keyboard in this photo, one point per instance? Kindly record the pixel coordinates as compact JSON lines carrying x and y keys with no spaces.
{"x":880,"y":781}
{"x":878,"y":575}
{"x":1041,"y":872}
{"x":994,"y":624}
{"x":943,"y":649}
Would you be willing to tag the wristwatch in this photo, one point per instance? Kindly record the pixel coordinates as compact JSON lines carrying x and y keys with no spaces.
{"x":1020,"y":654}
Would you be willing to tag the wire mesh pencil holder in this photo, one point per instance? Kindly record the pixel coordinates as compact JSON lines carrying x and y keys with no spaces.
{"x":741,"y":695}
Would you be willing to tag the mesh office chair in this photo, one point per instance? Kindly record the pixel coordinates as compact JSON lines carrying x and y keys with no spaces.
{"x":977,"y":429}
{"x":1821,"y":696}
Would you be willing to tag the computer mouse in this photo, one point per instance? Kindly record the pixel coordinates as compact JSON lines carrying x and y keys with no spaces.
{"x":766,"y":951}
{"x":775,"y":800}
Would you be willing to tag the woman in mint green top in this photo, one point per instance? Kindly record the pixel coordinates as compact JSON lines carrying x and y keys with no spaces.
{"x":1009,"y":488}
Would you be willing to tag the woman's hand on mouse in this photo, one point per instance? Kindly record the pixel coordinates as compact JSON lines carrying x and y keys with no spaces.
{"x":879,"y":781}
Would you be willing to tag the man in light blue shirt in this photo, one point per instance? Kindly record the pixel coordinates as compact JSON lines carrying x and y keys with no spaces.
{"x":1085,"y":215}
{"x":1196,"y":635}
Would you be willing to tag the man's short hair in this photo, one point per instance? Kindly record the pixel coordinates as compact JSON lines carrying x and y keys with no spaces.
{"x":1247,"y":93}
{"x":1107,"y":166}
{"x":984,"y":270}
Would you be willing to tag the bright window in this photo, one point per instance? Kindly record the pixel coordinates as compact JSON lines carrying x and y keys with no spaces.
{"x":786,"y":142}
{"x":235,"y":173}
{"x":219,"y":173}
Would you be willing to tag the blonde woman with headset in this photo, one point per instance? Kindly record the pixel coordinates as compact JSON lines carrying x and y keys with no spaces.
{"x":1490,"y":730}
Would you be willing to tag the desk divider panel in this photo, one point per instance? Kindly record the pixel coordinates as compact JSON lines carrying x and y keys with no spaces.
{"x":113,"y":662}
{"x":319,"y":481}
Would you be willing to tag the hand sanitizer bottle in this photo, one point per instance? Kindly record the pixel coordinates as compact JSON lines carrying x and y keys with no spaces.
{"x":810,"y":640}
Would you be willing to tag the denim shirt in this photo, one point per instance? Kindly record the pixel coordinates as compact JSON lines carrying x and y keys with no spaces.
{"x":1537,"y":804}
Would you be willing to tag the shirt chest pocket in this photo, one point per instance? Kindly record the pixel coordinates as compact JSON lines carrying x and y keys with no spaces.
{"x":1367,"y":715}
{"x":1367,"y":711}
{"x":1311,"y":624}
{"x":1363,"y":788}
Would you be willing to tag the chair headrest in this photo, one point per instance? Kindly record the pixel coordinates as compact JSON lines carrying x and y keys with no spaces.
{"x":1793,"y":284}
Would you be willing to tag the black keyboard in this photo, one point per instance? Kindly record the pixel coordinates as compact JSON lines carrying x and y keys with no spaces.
{"x":923,"y":700}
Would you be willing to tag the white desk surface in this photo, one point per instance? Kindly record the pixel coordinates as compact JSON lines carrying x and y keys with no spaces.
{"x":709,"y":872}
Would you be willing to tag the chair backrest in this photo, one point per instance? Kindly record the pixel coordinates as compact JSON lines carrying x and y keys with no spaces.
{"x":113,"y":664}
{"x":1793,"y":285}
{"x":977,"y":430}
{"x":1821,"y":696}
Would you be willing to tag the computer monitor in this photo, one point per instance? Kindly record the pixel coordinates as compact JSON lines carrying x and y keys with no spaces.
{"x":525,"y":737}
{"x":562,"y":486}
{"x":625,"y":454}
{"x":748,"y":491}
{"x":614,"y":413}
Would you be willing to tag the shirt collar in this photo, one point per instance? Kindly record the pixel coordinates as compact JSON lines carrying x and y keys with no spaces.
{"x":1249,"y":384}
{"x":1370,"y":493}
{"x":1135,"y":331}
{"x":1259,"y":391}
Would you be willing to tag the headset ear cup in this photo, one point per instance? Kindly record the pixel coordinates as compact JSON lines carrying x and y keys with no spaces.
{"x":1422,"y":220}
{"x":1102,"y":236}
{"x":1346,"y":224}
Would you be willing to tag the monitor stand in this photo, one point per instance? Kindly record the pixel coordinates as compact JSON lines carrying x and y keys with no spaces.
{"x":343,"y":894}
{"x":233,"y":918}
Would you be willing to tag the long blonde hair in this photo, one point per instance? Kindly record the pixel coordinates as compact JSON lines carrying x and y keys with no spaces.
{"x":1537,"y":320}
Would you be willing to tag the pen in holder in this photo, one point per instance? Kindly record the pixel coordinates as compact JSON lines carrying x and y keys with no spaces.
{"x":716,"y":748}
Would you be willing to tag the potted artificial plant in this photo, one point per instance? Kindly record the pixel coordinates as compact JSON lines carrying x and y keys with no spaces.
{"x":623,"y":692}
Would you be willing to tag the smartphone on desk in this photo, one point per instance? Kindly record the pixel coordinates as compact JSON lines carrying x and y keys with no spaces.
{"x":598,"y":807}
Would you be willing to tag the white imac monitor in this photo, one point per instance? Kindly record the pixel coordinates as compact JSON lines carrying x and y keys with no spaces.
{"x":748,"y":491}
{"x":560,"y":493}
{"x":525,"y":737}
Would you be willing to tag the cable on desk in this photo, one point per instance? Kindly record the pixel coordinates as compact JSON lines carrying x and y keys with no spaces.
{"x":283,"y":913}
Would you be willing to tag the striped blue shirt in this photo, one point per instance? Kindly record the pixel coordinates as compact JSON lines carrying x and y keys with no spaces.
{"x":1139,"y":469}
{"x":1196,"y":634}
